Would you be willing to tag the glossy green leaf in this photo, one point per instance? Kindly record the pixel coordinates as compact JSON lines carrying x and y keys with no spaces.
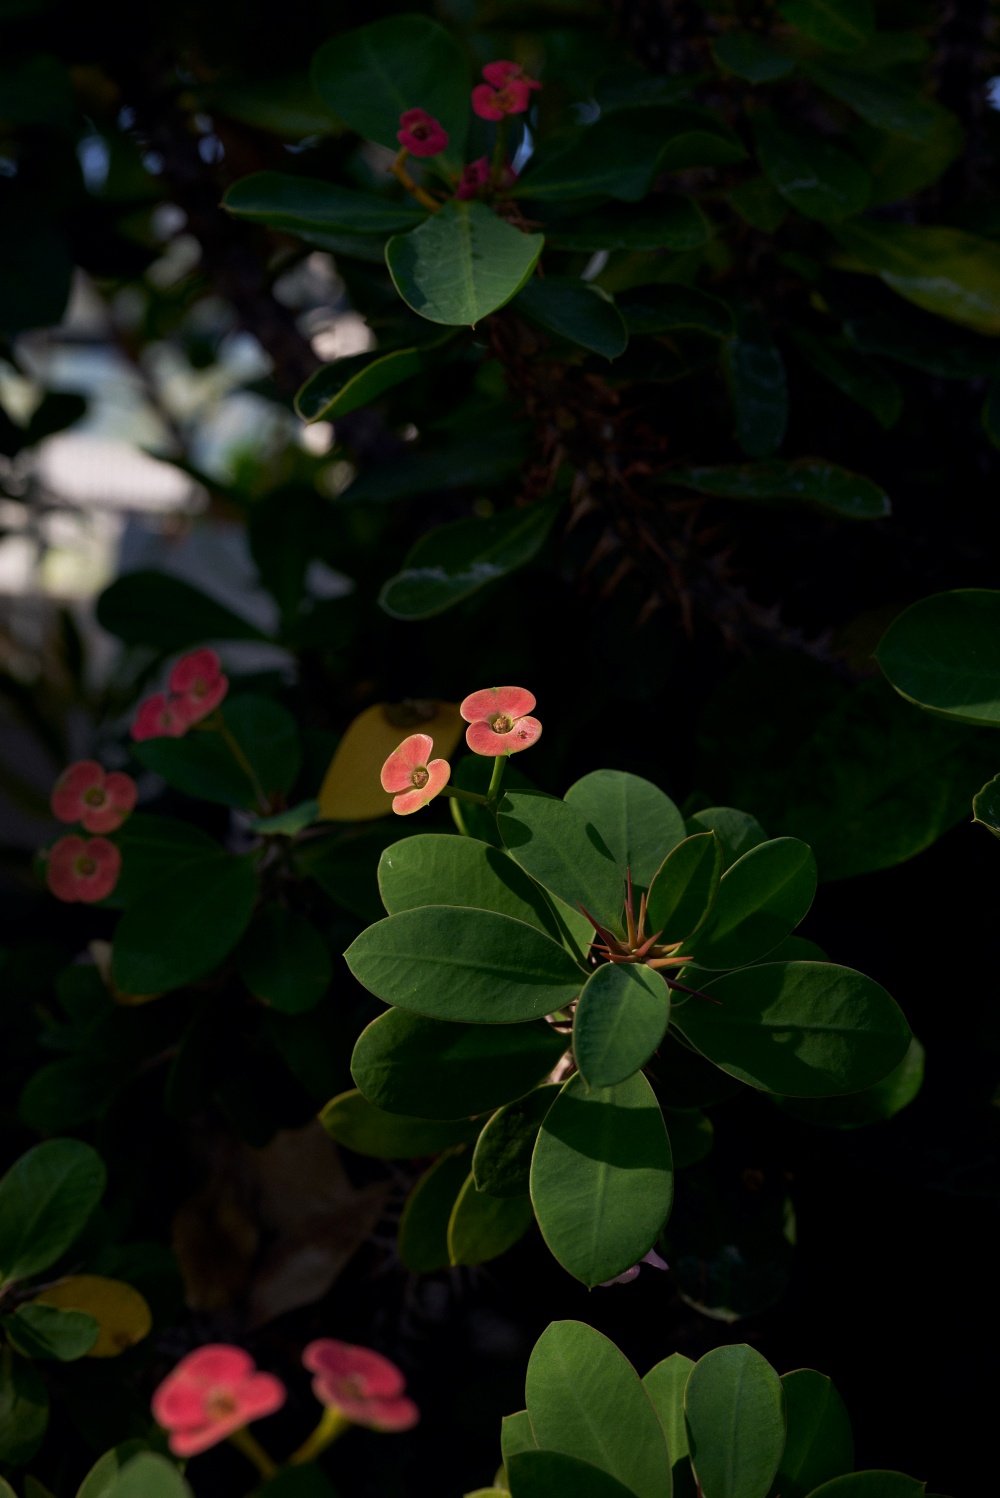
{"x":102,"y":1475}
{"x":943,"y":653}
{"x":737,"y":831}
{"x":586,"y":1400}
{"x":346,"y":866}
{"x":423,"y":1227}
{"x":875,"y":1104}
{"x":284,"y":960}
{"x":434,"y":868}
{"x":565,"y":852}
{"x":850,"y":495}
{"x":540,"y":1474}
{"x":404,"y":1063}
{"x":758,"y":386}
{"x":819,"y":1444}
{"x":356,"y":381}
{"x":821,"y":180}
{"x":471,"y":966}
{"x":867,"y":384}
{"x":684,"y":889}
{"x":946,"y":271}
{"x":203,"y":764}
{"x":920,"y":342}
{"x":602,"y":1177}
{"x":762,"y":898}
{"x":986,"y":806}
{"x":461,"y":264}
{"x":287,"y":823}
{"x":358,"y":1125}
{"x":880,"y":100}
{"x":806,"y":1029}
{"x":665,"y":1385}
{"x":40,"y":1331}
{"x":24,"y":1409}
{"x":619,"y":1021}
{"x":152,"y":608}
{"x":841,"y":25}
{"x":616,"y":157}
{"x":662,"y":221}
{"x":371,"y":75}
{"x":516,"y":1435}
{"x":46,"y":1199}
{"x":182,"y":928}
{"x":149,"y":1475}
{"x":293,"y":203}
{"x":482,"y":462}
{"x":871,"y":1485}
{"x":748,"y":56}
{"x":734,"y":1409}
{"x":637,"y":822}
{"x":483,"y":1227}
{"x":501,"y":1163}
{"x":900,"y":165}
{"x":457,"y":559}
{"x":661,"y":309}
{"x":698,"y":138}
{"x":152,"y":847}
{"x":691,"y":1135}
{"x":575,"y":310}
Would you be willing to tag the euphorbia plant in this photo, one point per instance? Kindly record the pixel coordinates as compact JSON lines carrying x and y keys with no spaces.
{"x":558,"y":985}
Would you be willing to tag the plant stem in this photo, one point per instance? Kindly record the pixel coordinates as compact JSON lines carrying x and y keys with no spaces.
{"x":253,"y":1451}
{"x":218,"y":722}
{"x":460,"y":795}
{"x":402,"y":175}
{"x":332,"y":1425}
{"x":499,"y":765}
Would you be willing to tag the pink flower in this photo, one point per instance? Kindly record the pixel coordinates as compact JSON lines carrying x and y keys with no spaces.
{"x":83,"y":869}
{"x":507,"y":90}
{"x":628,"y":1275}
{"x":362,"y":1385}
{"x":213,"y":1392}
{"x":84,"y":793}
{"x":422,"y":134}
{"x":412,"y":776}
{"x":476,"y":178}
{"x":498,"y":721}
{"x":158,"y":718}
{"x":197,"y":686}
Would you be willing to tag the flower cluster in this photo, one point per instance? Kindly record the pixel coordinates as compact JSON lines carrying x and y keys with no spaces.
{"x":195,"y":689}
{"x":507,"y":90}
{"x":359,"y":1384}
{"x":81,"y":868}
{"x":499,"y":725}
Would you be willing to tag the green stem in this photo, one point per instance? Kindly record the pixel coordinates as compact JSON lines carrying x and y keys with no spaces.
{"x":218,"y":722}
{"x":253,"y":1451}
{"x":459,"y":795}
{"x":499,"y":765}
{"x":331,"y":1426}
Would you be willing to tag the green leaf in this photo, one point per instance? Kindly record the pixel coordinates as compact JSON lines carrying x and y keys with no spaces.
{"x":356,"y":381}
{"x":759,"y":204}
{"x":762,"y":898}
{"x":616,"y":157}
{"x":149,"y":1475}
{"x":748,"y":56}
{"x":943,"y":653}
{"x":841,"y":25}
{"x":867,"y":384}
{"x":483,"y":1227}
{"x":986,"y":806}
{"x":819,"y":179}
{"x":184,"y":926}
{"x":661,"y":309}
{"x":151,"y":848}
{"x":40,"y":1331}
{"x":576,"y":310}
{"x":758,"y":386}
{"x":665,"y":1385}
{"x":901,"y":166}
{"x":601,"y":1177}
{"x":637,"y":822}
{"x":564,"y":851}
{"x":540,"y":1474}
{"x":102,"y":1475}
{"x":805,"y":1029}
{"x":663,"y":221}
{"x":881,"y":101}
{"x":698,"y":138}
{"x":473,"y":966}
{"x":287,"y":823}
{"x":920,"y":342}
{"x":691,"y":1135}
{"x":870,"y":1485}
{"x":819,"y":1444}
{"x":404,"y":1063}
{"x":461,"y":264}
{"x":346,"y":866}
{"x":516,"y":1435}
{"x":684,"y":889}
{"x":434,"y":868}
{"x":585,"y":1399}
{"x":850,"y":495}
{"x":482,"y":462}
{"x":358,"y":1125}
{"x":284,"y":960}
{"x":46,"y":1199}
{"x":457,"y":559}
{"x":501,"y":1163}
{"x":294,"y":203}
{"x":620,"y":1019}
{"x":152,"y":608}
{"x":737,"y":831}
{"x":423,"y":1227}
{"x":372,"y":75}
{"x":735,"y":1411}
{"x":872,"y":1105}
{"x":946,"y":271}
{"x":203,"y":764}
{"x":24,"y":1408}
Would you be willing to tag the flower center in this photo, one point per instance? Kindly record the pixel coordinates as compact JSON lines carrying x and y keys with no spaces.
{"x":351,"y":1386}
{"x":199,"y":687}
{"x":86,"y":866}
{"x":420,"y":777}
{"x":95,"y":796}
{"x":219,"y":1404}
{"x":501,"y":723}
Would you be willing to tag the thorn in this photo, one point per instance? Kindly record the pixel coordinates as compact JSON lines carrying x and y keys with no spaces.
{"x":648,"y":945}
{"x":602,"y":931}
{"x":673,"y":983}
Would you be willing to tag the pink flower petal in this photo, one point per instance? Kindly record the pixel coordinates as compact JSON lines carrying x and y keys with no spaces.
{"x":334,"y":1361}
{"x":482,"y":739}
{"x":156,"y":719}
{"x":60,"y":873}
{"x":259,"y":1395}
{"x":412,"y":754}
{"x":513,"y":702}
{"x":484,"y":103}
{"x":200,"y":665}
{"x":392,"y":1414}
{"x":192,"y":1441}
{"x":68,"y":792}
{"x":195,"y":704}
{"x":421,"y":134}
{"x":120,"y":796}
{"x":438,"y":772}
{"x":98,"y":883}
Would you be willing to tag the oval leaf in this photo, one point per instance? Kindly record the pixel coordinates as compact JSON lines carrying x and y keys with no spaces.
{"x":762,"y":898}
{"x":561,"y":848}
{"x":205,"y":765}
{"x":423,"y":1227}
{"x":737,"y":831}
{"x":539,"y":1474}
{"x":946,"y":271}
{"x":284,"y":960}
{"x":355,"y":381}
{"x":501,"y":1163}
{"x":823,"y":484}
{"x":46,"y":1199}
{"x":684,"y":889}
{"x":734,"y":1407}
{"x":819,"y":179}
{"x":665,"y":1385}
{"x":857,"y":1110}
{"x":121,"y":1313}
{"x":358,"y":1125}
{"x":620,"y":1019}
{"x":943,"y":653}
{"x":484,"y":1227}
{"x":436,"y":868}
{"x":461,"y":264}
{"x":577,"y":311}
{"x":638,"y":823}
{"x":841,"y":25}
{"x":819,"y":1444}
{"x":295,"y":203}
{"x":43,"y":1331}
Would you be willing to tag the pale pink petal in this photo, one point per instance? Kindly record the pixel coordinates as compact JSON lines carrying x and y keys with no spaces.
{"x":157,"y":719}
{"x":200,"y":700}
{"x":512,"y":702}
{"x":259,"y":1395}
{"x":178,"y":1403}
{"x":653,"y":1258}
{"x":193,"y":1441}
{"x":497,"y":73}
{"x":60,"y":873}
{"x":98,"y":883}
{"x":482,"y":739}
{"x":200,"y":665}
{"x":376,"y":1375}
{"x":70,"y":788}
{"x":412,"y":754}
{"x":484,"y":102}
{"x":438,"y":772}
{"x":392,"y":1414}
{"x":625,"y":1278}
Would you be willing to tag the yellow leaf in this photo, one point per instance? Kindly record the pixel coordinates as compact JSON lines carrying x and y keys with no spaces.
{"x":351,"y":789}
{"x":120,"y":1311}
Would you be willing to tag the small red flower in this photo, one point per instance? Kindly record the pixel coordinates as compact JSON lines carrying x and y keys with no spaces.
{"x":213,"y":1392}
{"x":362,"y":1385}
{"x":197,"y":686}
{"x":476,"y":178}
{"x":498,"y":721}
{"x":412,"y":776}
{"x":421,"y":133}
{"x":158,"y":718}
{"x":507,"y":90}
{"x":84,"y":793}
{"x":83,"y":869}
